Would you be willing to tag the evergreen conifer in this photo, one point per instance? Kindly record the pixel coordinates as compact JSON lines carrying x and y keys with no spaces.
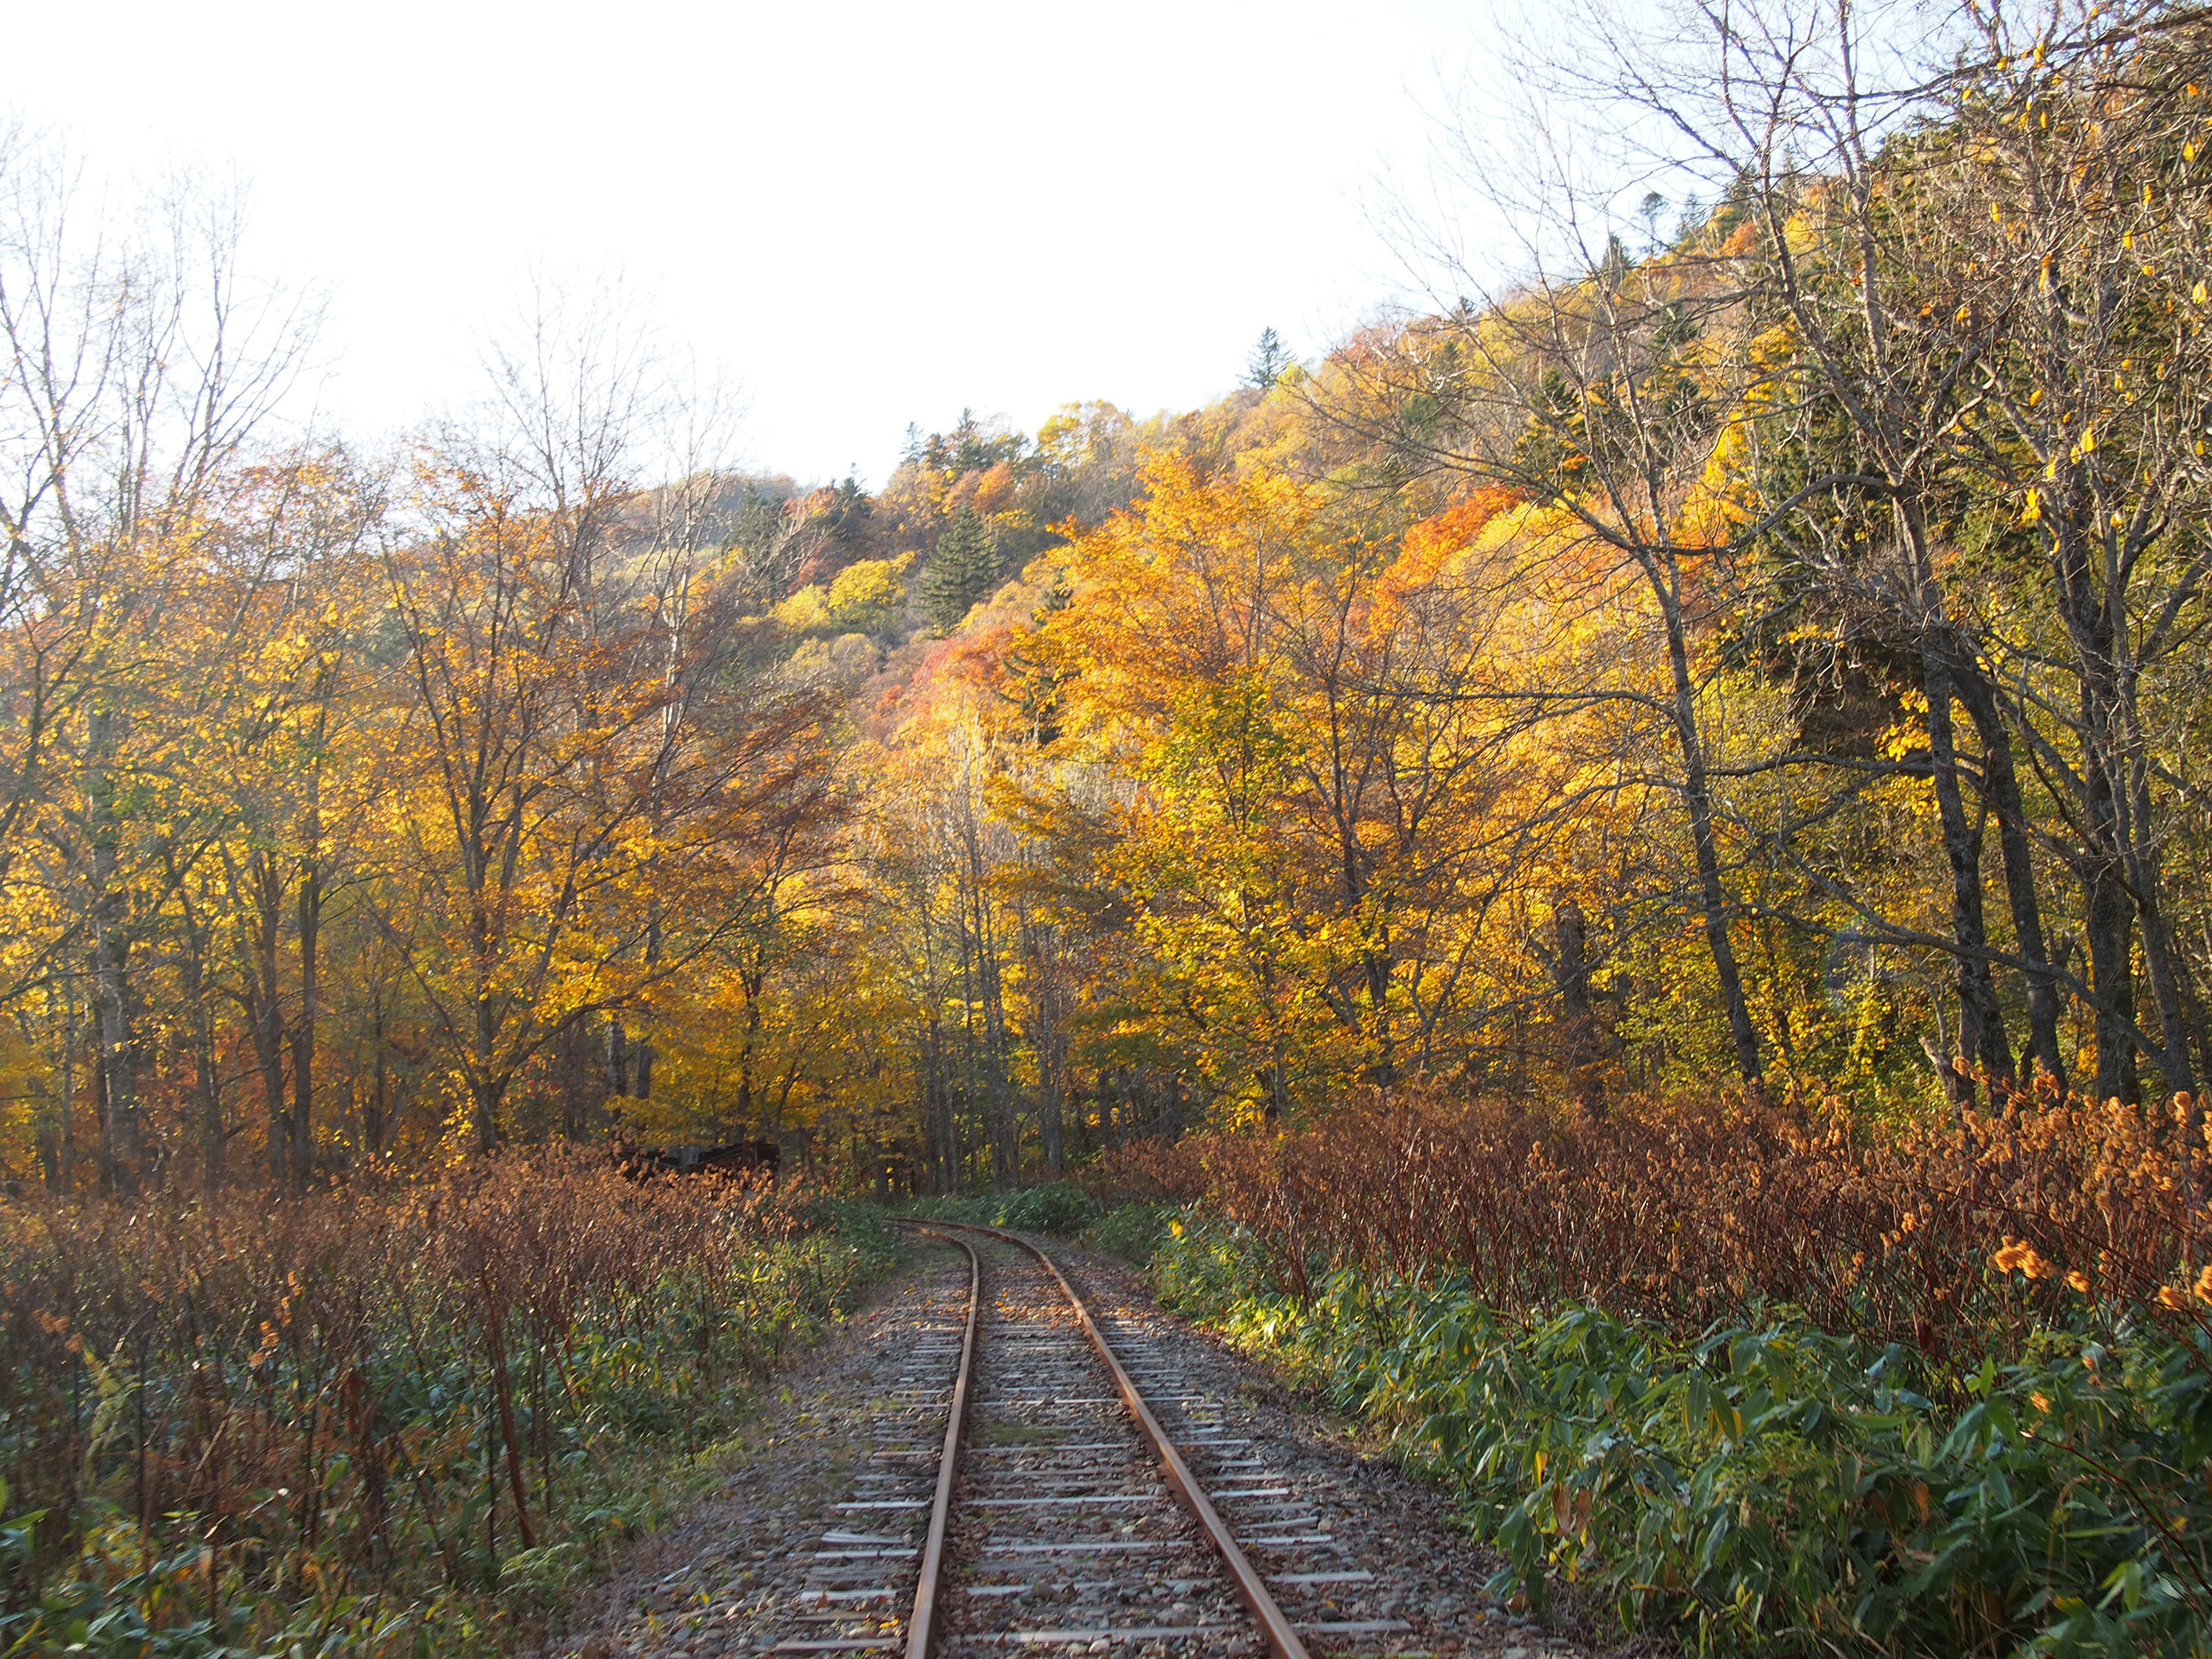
{"x":962,"y":570}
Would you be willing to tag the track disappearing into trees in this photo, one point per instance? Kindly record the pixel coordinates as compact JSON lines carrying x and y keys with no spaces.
{"x":1045,"y":1478}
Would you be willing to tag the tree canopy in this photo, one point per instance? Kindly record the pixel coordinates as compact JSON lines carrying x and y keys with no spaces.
{"x":1771,"y":652}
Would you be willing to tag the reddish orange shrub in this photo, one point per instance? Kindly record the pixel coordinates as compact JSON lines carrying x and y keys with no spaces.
{"x":378,"y":1382}
{"x":1687,"y":1213}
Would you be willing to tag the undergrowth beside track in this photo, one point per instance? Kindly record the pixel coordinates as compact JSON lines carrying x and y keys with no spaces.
{"x":1767,"y":1487}
{"x":382,"y":1420}
{"x":1131,"y":1229}
{"x":1751,"y":1382}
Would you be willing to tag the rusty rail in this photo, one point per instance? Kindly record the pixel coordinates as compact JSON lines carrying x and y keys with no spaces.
{"x":920,"y":1623}
{"x":1282,"y":1639}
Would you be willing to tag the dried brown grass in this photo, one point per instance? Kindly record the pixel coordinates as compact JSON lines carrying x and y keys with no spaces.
{"x":329,"y":1383}
{"x":1690,"y":1214}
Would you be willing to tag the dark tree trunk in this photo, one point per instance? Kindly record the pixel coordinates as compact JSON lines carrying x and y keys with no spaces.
{"x":2108,"y":909}
{"x":574,"y":1051}
{"x":2001,"y":783}
{"x":196,"y":939}
{"x":377,"y":1126}
{"x":1981,"y":1021}
{"x":2108,"y":919}
{"x":1577,"y":1016}
{"x":310,"y":910}
{"x":487,"y":1091}
{"x":65,"y":1153}
{"x":122,"y":1149}
{"x":261,"y":900}
{"x":618,"y":1058}
{"x":643,"y":1071}
{"x":1712,"y":899}
{"x":207,"y":1085}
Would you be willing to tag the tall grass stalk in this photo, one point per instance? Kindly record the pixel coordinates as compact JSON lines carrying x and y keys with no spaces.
{"x":393,"y":1417}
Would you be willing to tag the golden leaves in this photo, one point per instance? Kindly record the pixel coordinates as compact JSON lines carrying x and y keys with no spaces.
{"x":2018,"y":1256}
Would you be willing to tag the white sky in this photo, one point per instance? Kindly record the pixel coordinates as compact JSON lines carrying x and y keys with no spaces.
{"x":868,"y":214}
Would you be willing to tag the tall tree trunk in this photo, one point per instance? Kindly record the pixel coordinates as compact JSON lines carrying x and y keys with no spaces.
{"x":2108,"y":917}
{"x":1712,"y":900}
{"x":485,"y":1090}
{"x":121,"y":1140}
{"x":2001,"y":783}
{"x":644,"y":1068}
{"x":1571,"y":942}
{"x":574,"y":1053}
{"x":2181,"y":1026}
{"x":1051,"y":1084}
{"x":944,"y":1143}
{"x":207,"y":1089}
{"x":377,"y":1122}
{"x":2168,"y":976}
{"x":1981,"y":1021}
{"x":1374,"y":956}
{"x":309,"y":912}
{"x":752,"y":981}
{"x":268,"y":1045}
{"x":66,"y":1155}
{"x":2108,"y":909}
{"x":46,"y":1133}
{"x":262,"y":896}
{"x":618,"y":1058}
{"x":997,"y":1092}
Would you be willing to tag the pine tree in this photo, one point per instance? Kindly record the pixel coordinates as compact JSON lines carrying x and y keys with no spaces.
{"x":962,"y":570}
{"x":1270,"y":358}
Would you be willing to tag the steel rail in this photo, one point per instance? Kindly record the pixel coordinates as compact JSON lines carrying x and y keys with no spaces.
{"x":920,"y":1623}
{"x":1282,"y":1638}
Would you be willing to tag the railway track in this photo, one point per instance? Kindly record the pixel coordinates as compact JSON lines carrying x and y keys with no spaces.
{"x":1043,"y":1478}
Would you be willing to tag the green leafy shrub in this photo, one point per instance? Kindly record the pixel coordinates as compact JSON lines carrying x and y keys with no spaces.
{"x":1132,"y":1231}
{"x":1058,"y":1207}
{"x":1769,"y":1487}
{"x":981,"y":1209}
{"x":859,"y":1223}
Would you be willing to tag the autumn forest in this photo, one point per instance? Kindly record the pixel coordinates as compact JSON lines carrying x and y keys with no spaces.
{"x":1768,"y":651}
{"x":1696,"y":729}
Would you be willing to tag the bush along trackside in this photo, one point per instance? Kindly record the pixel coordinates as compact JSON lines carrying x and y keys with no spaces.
{"x":1767,"y":1486}
{"x":1131,"y":1229}
{"x":379,"y":1420}
{"x":1776,"y":1377}
{"x":1134,"y":1232}
{"x":1055,"y":1207}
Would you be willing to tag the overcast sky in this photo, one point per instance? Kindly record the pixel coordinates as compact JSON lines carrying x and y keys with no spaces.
{"x":868,"y":215}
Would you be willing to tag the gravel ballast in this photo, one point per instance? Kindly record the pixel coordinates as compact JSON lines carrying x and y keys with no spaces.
{"x":743,"y":1572}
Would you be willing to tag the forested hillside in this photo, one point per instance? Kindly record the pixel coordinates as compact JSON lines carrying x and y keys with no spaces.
{"x":1767,"y":652}
{"x":1614,"y":871}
